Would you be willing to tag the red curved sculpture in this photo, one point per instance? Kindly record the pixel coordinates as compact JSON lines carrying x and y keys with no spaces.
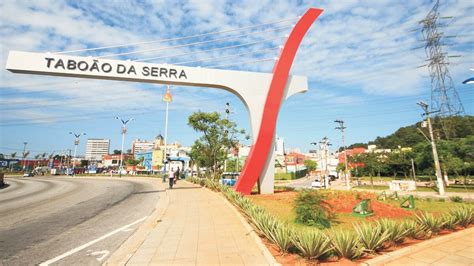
{"x":260,"y":151}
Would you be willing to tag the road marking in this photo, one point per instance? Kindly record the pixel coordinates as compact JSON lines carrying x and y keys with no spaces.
{"x":104,"y":254}
{"x":72,"y":251}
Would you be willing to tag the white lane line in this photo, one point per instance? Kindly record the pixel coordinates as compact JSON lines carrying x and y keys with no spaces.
{"x":72,"y":251}
{"x":104,"y":254}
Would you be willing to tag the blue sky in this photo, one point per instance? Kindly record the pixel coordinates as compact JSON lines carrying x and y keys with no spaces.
{"x":359,"y":57}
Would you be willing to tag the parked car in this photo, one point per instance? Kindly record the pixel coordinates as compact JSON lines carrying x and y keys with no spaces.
{"x":28,"y":174}
{"x":317,"y":184}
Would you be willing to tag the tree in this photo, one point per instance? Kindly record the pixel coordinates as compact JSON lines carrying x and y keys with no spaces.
{"x":310,"y":165}
{"x":219,"y":136}
{"x":116,"y":151}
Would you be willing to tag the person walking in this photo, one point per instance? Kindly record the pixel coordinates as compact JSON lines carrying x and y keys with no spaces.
{"x":176,"y":175}
{"x":171,"y":177}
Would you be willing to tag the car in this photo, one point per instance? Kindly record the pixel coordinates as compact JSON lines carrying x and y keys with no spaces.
{"x":317,"y":184}
{"x":27,"y":174}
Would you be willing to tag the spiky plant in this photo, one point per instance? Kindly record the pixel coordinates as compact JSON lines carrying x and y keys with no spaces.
{"x":431,"y":223}
{"x":371,"y":236}
{"x":396,"y":231}
{"x":464,"y":215}
{"x":449,"y":221}
{"x":312,"y":244}
{"x":282,"y":235}
{"x":346,"y":244}
{"x":415,"y":230}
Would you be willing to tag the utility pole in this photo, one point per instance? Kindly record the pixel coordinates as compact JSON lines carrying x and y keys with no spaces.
{"x":444,"y":97}
{"x":325,"y":147}
{"x":347,"y":174}
{"x":76,"y":143}
{"x":24,"y":155}
{"x":439,"y":177}
{"x":413,"y":169}
{"x":123,"y":132}
{"x":167,"y":97}
{"x":227,"y":112}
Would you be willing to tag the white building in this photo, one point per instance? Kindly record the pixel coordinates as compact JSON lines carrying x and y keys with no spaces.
{"x":141,"y":146}
{"x":279,"y":146}
{"x":96,"y":148}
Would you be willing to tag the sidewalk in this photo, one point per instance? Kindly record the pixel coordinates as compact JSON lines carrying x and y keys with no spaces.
{"x":453,"y":249}
{"x":199,"y":227}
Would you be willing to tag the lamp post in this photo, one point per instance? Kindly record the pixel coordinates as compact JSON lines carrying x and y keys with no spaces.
{"x":123,"y":131}
{"x":76,"y":143}
{"x":167,"y":98}
{"x":24,"y":155}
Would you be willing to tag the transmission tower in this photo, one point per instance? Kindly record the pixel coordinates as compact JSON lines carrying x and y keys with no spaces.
{"x":444,"y":97}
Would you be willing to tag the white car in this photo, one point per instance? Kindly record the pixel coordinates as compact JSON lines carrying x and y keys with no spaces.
{"x":317,"y":184}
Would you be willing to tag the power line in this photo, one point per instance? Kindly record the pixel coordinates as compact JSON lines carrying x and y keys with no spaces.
{"x":192,"y":43}
{"x":179,"y":38}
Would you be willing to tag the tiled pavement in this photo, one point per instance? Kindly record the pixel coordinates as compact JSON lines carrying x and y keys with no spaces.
{"x":198,"y":228}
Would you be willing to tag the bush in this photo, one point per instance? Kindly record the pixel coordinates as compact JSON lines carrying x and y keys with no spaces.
{"x":312,"y":210}
{"x":346,"y":244}
{"x":312,"y":243}
{"x":456,"y":199}
{"x":371,"y":236}
{"x":282,"y":235}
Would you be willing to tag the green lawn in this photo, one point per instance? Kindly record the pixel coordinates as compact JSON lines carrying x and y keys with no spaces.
{"x":451,"y":188}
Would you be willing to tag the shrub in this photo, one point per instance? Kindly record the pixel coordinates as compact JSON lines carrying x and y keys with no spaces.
{"x":432,"y":224}
{"x":312,"y":210}
{"x":456,"y":199}
{"x":312,"y":243}
{"x":396,"y":231}
{"x":371,"y":236}
{"x":346,"y":244}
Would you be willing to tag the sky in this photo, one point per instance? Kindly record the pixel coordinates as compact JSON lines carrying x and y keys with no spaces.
{"x":362,"y":60}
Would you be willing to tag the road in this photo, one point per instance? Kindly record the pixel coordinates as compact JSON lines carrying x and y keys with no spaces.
{"x":70,"y":221}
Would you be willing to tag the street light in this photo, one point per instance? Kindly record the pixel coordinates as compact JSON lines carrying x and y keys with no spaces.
{"x":76,"y":142}
{"x":124,"y":131}
{"x":24,"y":155}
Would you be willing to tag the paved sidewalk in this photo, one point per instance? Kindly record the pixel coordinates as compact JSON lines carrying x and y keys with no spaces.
{"x":453,"y":249}
{"x":199,"y":228}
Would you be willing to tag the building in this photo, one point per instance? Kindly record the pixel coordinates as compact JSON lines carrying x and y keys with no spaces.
{"x":96,"y":148}
{"x":139,"y":146}
{"x":112,"y":160}
{"x":279,"y":146}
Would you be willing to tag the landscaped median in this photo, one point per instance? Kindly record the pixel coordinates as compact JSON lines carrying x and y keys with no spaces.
{"x":362,"y":240}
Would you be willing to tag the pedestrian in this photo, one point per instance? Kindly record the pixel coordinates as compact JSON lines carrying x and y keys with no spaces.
{"x":176,"y":175}
{"x":171,"y":177}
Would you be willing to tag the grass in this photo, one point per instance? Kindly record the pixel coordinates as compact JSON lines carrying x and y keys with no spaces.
{"x":451,"y":188}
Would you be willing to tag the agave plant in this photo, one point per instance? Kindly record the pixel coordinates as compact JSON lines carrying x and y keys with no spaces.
{"x":346,"y":244}
{"x":464,"y":215}
{"x":431,"y":223}
{"x":415,"y":230}
{"x":396,"y":231}
{"x":371,"y":236}
{"x":281,"y":235}
{"x":449,"y":221}
{"x":312,"y":243}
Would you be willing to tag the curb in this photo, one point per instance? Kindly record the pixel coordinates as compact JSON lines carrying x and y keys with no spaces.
{"x":266,"y":253}
{"x":128,"y":248}
{"x":392,"y":256}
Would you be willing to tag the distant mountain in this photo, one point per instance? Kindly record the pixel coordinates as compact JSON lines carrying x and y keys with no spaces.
{"x":461,"y":127}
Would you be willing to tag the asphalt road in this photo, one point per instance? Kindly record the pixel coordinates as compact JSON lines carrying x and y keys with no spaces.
{"x":70,"y":221}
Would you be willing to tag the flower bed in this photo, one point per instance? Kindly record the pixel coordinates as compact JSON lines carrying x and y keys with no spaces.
{"x":363,"y":240}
